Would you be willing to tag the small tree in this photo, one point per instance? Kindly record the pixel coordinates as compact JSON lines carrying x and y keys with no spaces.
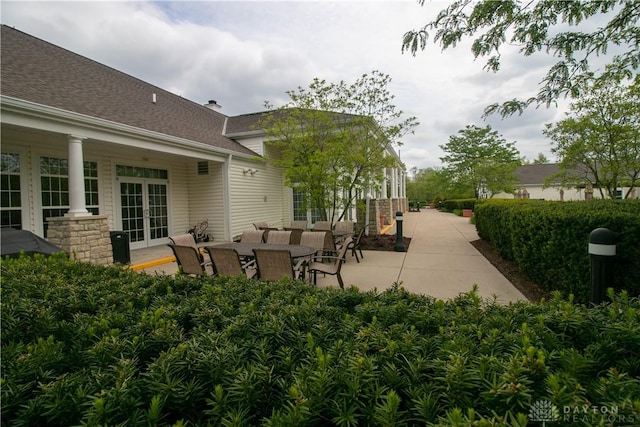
{"x":540,"y":160}
{"x":558,"y":28}
{"x":481,"y":160}
{"x":426,"y":184}
{"x":599,"y":141}
{"x":336,"y":138}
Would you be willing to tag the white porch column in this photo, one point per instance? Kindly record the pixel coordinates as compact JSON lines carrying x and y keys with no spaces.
{"x":383,"y":190}
{"x":77,"y":204}
{"x":394,"y":183}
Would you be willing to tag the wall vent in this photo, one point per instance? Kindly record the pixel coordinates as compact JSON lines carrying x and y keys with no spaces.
{"x":203,"y":168}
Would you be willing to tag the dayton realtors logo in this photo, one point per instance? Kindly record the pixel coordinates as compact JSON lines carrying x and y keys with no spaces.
{"x":544,"y":411}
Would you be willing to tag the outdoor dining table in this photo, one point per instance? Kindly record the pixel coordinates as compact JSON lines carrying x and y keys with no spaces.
{"x":246,"y":249}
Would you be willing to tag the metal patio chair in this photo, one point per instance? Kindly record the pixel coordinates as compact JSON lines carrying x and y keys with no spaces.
{"x":298,"y":225}
{"x":226,"y":262}
{"x":278,"y":237}
{"x":274,"y":264}
{"x":252,"y":236}
{"x":356,"y":244}
{"x":322,"y":226}
{"x":333,"y":268}
{"x":190,"y":260}
{"x":296,"y":235}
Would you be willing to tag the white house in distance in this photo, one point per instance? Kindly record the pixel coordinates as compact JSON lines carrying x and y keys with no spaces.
{"x":87,"y":149}
{"x":531,"y":181}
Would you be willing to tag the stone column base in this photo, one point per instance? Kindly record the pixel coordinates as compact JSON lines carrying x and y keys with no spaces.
{"x":84,"y":238}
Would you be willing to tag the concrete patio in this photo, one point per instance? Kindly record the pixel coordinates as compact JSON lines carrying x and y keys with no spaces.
{"x":440,"y":261}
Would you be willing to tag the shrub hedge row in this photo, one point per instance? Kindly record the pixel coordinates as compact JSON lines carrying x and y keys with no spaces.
{"x":91,"y":345}
{"x":458,"y":204}
{"x":549,"y":240}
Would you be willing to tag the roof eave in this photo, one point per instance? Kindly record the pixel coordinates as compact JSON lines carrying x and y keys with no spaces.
{"x":40,"y":111}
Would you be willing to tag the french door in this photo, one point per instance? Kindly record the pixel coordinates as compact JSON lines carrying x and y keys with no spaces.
{"x":144,"y":211}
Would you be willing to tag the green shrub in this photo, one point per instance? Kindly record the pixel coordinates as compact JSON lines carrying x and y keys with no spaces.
{"x":91,"y":345}
{"x":549,"y":240}
{"x":452,"y":205}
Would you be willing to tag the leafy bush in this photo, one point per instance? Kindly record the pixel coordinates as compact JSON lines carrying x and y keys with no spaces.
{"x":549,"y":240}
{"x":458,"y":204}
{"x":91,"y":345}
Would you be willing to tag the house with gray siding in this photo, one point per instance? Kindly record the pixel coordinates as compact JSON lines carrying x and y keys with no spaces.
{"x":87,"y":149}
{"x":531,"y":184}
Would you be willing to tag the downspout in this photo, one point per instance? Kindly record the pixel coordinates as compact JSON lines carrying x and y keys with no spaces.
{"x":228,"y":222}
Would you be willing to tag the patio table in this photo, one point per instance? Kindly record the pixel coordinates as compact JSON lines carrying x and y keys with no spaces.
{"x":246,"y":249}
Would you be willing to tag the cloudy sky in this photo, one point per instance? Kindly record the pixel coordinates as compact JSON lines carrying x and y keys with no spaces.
{"x":243,"y":53}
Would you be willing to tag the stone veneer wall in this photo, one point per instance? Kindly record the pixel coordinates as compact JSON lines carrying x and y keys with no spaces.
{"x":378,"y":207}
{"x":84,"y":238}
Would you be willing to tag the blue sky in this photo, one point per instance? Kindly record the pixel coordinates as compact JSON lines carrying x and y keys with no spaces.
{"x":243,"y":53}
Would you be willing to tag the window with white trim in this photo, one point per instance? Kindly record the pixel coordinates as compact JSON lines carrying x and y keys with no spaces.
{"x":10,"y":191}
{"x":54,"y":188}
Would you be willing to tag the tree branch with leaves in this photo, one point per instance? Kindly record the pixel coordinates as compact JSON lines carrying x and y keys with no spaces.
{"x":599,"y":142}
{"x":336,"y":138}
{"x":479,"y":159}
{"x":558,"y":28}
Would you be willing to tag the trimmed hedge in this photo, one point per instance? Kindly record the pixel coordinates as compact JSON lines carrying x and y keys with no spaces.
{"x":549,"y":240}
{"x":91,"y":345}
{"x":458,"y":204}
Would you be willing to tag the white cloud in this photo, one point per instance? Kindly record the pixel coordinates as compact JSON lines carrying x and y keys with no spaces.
{"x":243,"y":53}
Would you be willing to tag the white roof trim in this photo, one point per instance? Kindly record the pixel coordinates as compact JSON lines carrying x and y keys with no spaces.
{"x":30,"y":114}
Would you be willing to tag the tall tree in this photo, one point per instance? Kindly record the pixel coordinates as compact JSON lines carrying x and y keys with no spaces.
{"x":481,"y":160}
{"x":599,"y":141}
{"x":431,"y":182}
{"x":563,"y":29}
{"x":335,"y":139}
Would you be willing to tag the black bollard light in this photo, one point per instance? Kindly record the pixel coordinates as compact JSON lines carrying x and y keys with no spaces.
{"x":602,"y":249}
{"x":399,"y":247}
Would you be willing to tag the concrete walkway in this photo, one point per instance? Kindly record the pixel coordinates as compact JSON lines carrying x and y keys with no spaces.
{"x":440,"y":262}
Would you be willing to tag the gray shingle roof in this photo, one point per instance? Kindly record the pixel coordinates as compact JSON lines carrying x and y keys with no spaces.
{"x":535,"y":174}
{"x":251,"y":123}
{"x":40,"y":72}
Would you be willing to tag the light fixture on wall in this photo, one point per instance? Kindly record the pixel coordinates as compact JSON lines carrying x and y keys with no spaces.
{"x":250,"y":171}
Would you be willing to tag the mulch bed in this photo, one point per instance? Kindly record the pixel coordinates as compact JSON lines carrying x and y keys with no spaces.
{"x":382,"y":242}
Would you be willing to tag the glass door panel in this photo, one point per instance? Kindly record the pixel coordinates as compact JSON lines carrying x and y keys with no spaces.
{"x":144,"y":209}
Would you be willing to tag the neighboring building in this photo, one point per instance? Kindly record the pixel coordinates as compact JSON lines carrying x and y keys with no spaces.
{"x":531,"y":185}
{"x":83,"y":143}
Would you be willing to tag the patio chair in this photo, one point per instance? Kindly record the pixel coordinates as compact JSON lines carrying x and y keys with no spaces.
{"x":322,"y":226}
{"x":190,"y":260}
{"x":268,"y":230}
{"x":298,"y":225}
{"x":259,"y":225}
{"x":356,"y":244}
{"x":313,"y":239}
{"x":187,"y":239}
{"x":226,"y":262}
{"x":274,"y":264}
{"x":330,"y":247}
{"x":296,"y":234}
{"x":346,"y":226}
{"x":252,"y":236}
{"x":333,"y":268}
{"x":277,"y":237}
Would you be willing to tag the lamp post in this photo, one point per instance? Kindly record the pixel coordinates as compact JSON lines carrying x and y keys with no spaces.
{"x":399,"y":246}
{"x":602,"y":249}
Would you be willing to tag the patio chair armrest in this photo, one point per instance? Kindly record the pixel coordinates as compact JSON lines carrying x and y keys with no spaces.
{"x":326,"y":257}
{"x":251,"y":264}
